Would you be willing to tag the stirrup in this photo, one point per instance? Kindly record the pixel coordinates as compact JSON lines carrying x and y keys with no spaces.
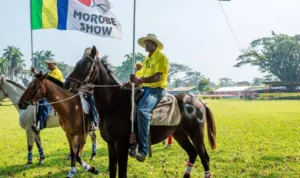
{"x":132,"y":150}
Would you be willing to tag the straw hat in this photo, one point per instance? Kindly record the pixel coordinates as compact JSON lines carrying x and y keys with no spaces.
{"x":150,"y":37}
{"x":139,"y":63}
{"x":51,"y":61}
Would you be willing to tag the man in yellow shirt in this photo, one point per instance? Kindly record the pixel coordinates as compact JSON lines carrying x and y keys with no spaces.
{"x":139,"y":70}
{"x":44,"y":108}
{"x":154,"y":80}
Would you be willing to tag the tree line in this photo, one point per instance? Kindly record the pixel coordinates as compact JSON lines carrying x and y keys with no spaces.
{"x":13,"y":65}
{"x":277,"y":57}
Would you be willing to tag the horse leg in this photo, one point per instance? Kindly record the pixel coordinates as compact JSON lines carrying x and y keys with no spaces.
{"x":39,"y":145}
{"x":197,"y":139}
{"x":72,"y":172}
{"x":94,"y":145}
{"x":183,"y":140}
{"x":30,"y":140}
{"x":113,"y":159}
{"x":122,"y":152}
{"x":80,"y":145}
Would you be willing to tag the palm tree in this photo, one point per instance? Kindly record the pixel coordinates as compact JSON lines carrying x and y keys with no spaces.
{"x":13,"y":56}
{"x":39,"y":58}
{"x":3,"y":66}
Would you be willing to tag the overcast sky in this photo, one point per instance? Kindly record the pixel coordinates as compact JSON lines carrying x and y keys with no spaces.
{"x":194,"y":32}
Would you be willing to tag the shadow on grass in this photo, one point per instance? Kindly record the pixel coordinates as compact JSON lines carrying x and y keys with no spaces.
{"x":272,"y":175}
{"x":273,"y":158}
{"x":55,"y":160}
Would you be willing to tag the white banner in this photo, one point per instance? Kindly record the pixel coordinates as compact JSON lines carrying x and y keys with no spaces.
{"x":93,"y":17}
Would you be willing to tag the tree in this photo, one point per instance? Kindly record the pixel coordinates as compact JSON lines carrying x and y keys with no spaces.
{"x":257,"y":81}
{"x":13,"y":56}
{"x":193,"y":77}
{"x":3,"y":66}
{"x":226,"y":82}
{"x":175,"y":68}
{"x":213,"y":86}
{"x":203,"y":85}
{"x":178,"y":83}
{"x":24,"y":76}
{"x":278,"y":55}
{"x":65,"y":68}
{"x":39,"y":58}
{"x":125,"y":69}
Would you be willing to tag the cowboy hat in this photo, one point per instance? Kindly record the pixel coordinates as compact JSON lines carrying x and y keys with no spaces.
{"x":51,"y":61}
{"x":150,"y":37}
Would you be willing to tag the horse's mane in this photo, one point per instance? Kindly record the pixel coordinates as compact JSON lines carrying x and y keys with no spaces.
{"x":17,"y":84}
{"x":110,"y":71}
{"x":56,"y":81}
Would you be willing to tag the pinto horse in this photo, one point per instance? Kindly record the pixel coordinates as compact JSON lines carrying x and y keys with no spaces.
{"x":114,"y":107}
{"x":70,"y":113}
{"x":13,"y":91}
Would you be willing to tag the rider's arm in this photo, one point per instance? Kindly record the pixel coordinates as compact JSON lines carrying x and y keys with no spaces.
{"x":154,"y":78}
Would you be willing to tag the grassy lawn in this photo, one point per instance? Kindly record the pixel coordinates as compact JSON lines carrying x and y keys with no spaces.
{"x":255,"y":139}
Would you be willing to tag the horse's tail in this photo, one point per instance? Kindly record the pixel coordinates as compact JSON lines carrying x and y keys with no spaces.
{"x":211,"y":128}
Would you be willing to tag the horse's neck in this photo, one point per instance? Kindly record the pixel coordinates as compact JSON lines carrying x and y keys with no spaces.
{"x":107,"y":97}
{"x":14,"y":93}
{"x":55,"y":94}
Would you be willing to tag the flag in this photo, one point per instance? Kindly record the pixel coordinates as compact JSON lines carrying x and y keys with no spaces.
{"x":89,"y":16}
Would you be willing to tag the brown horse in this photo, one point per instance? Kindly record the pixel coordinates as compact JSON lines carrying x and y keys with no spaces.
{"x":71,"y":116}
{"x":114,"y":107}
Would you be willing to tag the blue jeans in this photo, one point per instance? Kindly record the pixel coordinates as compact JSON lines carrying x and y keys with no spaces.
{"x":94,"y":112}
{"x":147,"y":103}
{"x":42,"y":114}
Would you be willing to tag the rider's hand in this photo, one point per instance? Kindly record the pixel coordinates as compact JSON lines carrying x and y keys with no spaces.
{"x":134,"y":79}
{"x":33,"y":70}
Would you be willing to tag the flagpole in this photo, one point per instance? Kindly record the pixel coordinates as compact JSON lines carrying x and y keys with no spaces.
{"x":31,"y":35}
{"x":132,"y":148}
{"x":133,"y":62}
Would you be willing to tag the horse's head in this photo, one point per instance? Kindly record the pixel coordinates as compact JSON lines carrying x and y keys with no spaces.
{"x":3,"y":94}
{"x":85,"y":71}
{"x":34,"y":92}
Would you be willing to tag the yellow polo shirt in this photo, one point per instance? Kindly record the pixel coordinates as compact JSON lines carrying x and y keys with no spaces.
{"x":157,"y":63}
{"x":139,"y":73}
{"x":56,"y":73}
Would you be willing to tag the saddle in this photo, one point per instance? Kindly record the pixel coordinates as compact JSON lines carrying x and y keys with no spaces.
{"x":165,"y":113}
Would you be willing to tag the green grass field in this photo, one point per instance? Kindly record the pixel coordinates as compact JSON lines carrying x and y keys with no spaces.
{"x":255,"y":139}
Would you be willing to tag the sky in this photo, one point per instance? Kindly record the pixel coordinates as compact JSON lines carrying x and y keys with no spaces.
{"x":194,"y":32}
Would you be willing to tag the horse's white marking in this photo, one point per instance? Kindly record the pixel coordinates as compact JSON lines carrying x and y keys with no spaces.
{"x":72,"y":172}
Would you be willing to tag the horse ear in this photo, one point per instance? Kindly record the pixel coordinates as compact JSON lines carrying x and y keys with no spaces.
{"x":93,"y":52}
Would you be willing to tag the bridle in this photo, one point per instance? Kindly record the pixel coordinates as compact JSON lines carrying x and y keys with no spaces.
{"x":5,"y":94}
{"x":38,"y":91}
{"x":93,"y":71}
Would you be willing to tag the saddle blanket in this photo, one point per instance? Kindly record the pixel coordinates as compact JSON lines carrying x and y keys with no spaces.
{"x":166,"y":113}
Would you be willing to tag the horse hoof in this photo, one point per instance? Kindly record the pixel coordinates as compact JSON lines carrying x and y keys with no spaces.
{"x":27,"y":164}
{"x":94,"y":170}
{"x":92,"y":158}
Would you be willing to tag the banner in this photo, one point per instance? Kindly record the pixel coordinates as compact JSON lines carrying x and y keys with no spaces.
{"x":89,"y":16}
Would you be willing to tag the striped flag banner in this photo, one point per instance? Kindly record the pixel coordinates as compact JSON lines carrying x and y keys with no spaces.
{"x":89,"y":16}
